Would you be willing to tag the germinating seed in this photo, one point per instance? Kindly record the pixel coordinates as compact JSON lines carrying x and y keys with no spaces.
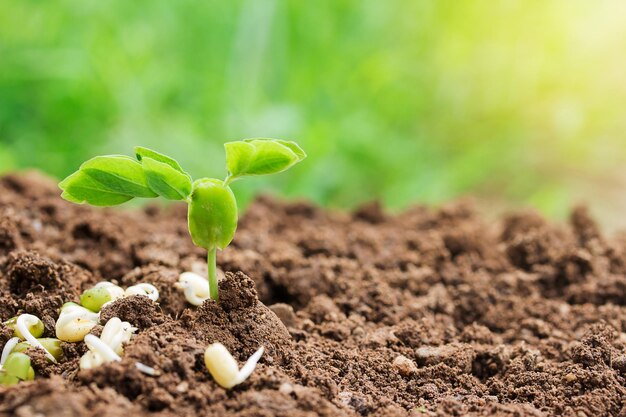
{"x":75,"y":322}
{"x":109,"y":346}
{"x":223,"y":367}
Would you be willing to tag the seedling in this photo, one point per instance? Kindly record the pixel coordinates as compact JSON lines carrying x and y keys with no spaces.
{"x":212,"y":214}
{"x":109,"y":346}
{"x":223,"y":367}
{"x":75,"y":322}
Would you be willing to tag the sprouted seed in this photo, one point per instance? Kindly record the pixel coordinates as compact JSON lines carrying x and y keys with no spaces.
{"x":17,"y":367}
{"x":23,"y":324}
{"x":102,"y":293}
{"x":109,"y":346}
{"x":35,"y":329}
{"x":75,"y":322}
{"x":212,"y":215}
{"x":147,"y":290}
{"x":194,"y":286}
{"x":106,"y":292}
{"x":223,"y":367}
{"x":50,"y":344}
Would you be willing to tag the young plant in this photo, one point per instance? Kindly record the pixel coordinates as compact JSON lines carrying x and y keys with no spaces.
{"x":212,"y":212}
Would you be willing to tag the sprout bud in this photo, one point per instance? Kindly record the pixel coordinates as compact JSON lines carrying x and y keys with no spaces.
{"x":223,"y":367}
{"x":102,"y":293}
{"x":109,"y":346}
{"x":147,"y":290}
{"x":23,"y":324}
{"x":75,"y":322}
{"x":195,"y":287}
{"x":36,"y":329}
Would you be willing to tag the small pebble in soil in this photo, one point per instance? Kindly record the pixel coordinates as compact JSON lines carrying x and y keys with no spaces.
{"x":404,"y":365}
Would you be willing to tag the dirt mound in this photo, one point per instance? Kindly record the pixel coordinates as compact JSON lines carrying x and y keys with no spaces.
{"x":429,"y":312}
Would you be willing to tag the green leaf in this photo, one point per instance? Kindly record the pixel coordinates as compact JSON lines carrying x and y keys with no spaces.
{"x":142,"y":152}
{"x":120,"y":174}
{"x":166,"y":181}
{"x":261,"y":156}
{"x":295,"y":148}
{"x":80,"y":188}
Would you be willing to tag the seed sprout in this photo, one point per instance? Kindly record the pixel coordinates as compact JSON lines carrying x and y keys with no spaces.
{"x":194,"y":287}
{"x":106,"y":292}
{"x":101,"y":294}
{"x":16,"y":367}
{"x":212,"y":214}
{"x":109,"y":346}
{"x":223,"y":367}
{"x":75,"y":322}
{"x":146,"y":290}
{"x":23,"y":325}
{"x":36,"y":329}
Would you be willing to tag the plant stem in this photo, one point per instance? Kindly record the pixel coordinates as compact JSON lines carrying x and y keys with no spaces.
{"x":212,"y":266}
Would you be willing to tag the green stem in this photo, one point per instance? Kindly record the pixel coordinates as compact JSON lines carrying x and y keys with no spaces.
{"x":212,"y":265}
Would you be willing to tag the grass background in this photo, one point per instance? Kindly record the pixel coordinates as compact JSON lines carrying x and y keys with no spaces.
{"x":513,"y":102}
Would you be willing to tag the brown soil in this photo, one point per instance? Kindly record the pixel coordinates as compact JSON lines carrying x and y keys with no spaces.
{"x":430,"y":312}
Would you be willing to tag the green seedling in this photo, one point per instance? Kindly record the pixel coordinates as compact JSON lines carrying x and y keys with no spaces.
{"x":16,"y":368}
{"x":212,"y":213}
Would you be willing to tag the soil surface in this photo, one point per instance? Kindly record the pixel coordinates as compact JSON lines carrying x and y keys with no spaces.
{"x":432,"y":312}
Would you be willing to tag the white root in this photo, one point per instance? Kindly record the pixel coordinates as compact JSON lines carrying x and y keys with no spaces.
{"x":148,"y":370}
{"x":223,"y":367}
{"x":194,"y":286}
{"x":147,"y":290}
{"x":75,"y":322}
{"x":99,"y":353}
{"x":22,"y":324}
{"x":109,"y":346}
{"x":8,"y":348}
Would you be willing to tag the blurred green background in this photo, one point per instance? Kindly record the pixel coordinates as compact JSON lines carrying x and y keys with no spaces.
{"x":513,"y":102}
